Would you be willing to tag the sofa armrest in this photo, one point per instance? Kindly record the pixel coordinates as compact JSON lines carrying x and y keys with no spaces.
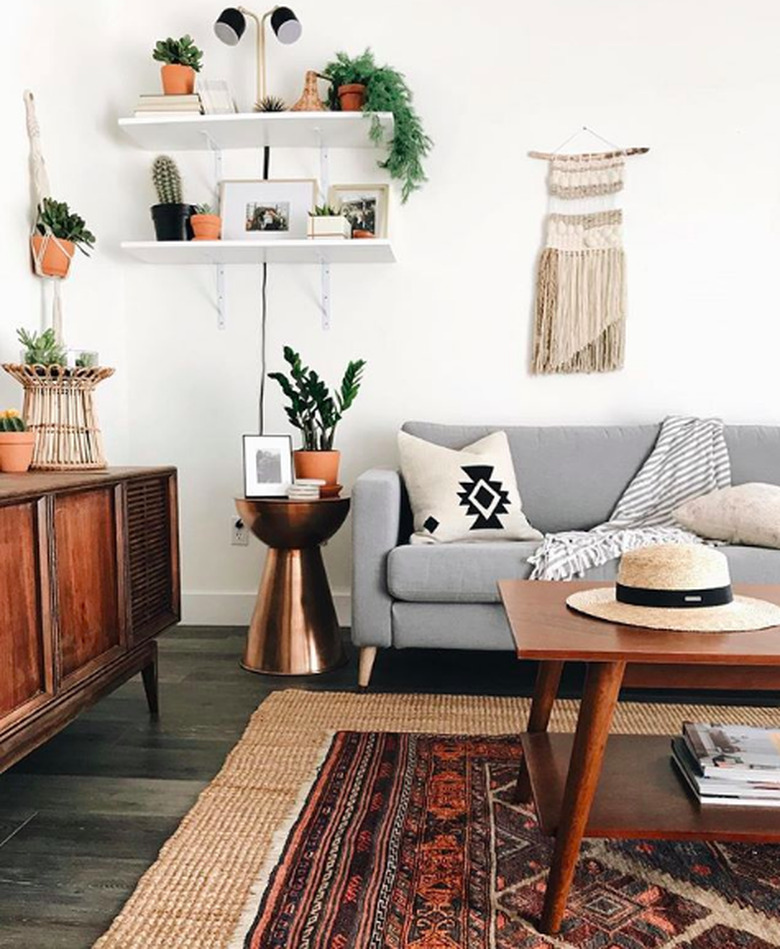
{"x":376,"y":520}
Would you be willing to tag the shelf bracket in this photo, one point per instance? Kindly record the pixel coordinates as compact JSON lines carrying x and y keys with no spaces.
{"x":216,"y":152}
{"x":221,"y":299}
{"x":325,"y":303}
{"x":324,"y":170}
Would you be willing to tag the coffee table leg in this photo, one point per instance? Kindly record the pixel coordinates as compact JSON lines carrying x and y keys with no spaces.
{"x":548,"y":679}
{"x":602,"y":686}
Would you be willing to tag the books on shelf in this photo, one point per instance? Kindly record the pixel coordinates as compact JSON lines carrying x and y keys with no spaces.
{"x":166,"y":106}
{"x":730,"y":764}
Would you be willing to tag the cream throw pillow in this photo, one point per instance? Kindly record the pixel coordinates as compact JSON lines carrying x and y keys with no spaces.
{"x":463,"y":495}
{"x":744,"y":514}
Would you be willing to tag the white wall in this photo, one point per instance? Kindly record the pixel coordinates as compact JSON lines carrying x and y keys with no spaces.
{"x":446,"y":329}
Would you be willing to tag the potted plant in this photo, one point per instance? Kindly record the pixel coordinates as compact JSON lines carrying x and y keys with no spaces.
{"x":316,"y":413}
{"x":206,"y":226}
{"x":182,"y":59}
{"x":16,"y":443}
{"x":58,"y":232}
{"x":326,"y":221}
{"x":385,"y":91}
{"x":41,"y":350}
{"x":171,"y":215}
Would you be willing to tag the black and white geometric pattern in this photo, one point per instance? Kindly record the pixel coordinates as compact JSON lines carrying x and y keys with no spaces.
{"x":483,"y":498}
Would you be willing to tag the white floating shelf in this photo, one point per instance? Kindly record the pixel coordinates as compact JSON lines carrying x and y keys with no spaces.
{"x":255,"y":130}
{"x":368,"y":251}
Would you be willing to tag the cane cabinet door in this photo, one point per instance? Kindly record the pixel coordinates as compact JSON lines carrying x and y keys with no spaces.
{"x":26,"y":666}
{"x":89,"y":574}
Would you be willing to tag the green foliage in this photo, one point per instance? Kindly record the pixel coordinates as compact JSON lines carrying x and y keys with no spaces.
{"x":312,"y":409}
{"x":41,"y":350}
{"x":272,"y":104}
{"x":386,"y":91}
{"x":324,"y":210}
{"x":55,"y":217}
{"x":203,"y":209}
{"x":167,"y":180}
{"x":181,"y":52}
{"x":11,"y":421}
{"x":86,"y":360}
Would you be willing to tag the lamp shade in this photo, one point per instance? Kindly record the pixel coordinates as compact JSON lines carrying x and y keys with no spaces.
{"x":285,"y":25}
{"x":230,"y":26}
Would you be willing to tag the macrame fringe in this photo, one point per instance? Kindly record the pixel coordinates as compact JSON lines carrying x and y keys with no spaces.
{"x":580,"y":311}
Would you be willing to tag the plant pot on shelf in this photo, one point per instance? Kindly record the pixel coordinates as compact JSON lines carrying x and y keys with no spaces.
{"x":329,"y":226}
{"x":16,"y":451}
{"x":206,"y":227}
{"x":172,"y":221}
{"x":352,"y":97}
{"x":177,"y":80}
{"x":52,"y":255}
{"x":361,"y":235}
{"x":318,"y":464}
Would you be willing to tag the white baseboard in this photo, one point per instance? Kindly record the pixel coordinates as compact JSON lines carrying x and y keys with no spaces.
{"x":235,"y":609}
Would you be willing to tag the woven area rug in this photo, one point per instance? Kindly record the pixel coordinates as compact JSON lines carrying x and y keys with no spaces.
{"x":345,"y":821}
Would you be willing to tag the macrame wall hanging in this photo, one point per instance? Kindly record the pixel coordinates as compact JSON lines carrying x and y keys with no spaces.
{"x":580,"y":318}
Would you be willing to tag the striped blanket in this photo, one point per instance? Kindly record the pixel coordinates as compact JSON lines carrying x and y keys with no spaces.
{"x":690,"y":458}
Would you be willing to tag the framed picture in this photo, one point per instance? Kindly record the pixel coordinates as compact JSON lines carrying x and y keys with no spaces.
{"x":257,"y":210}
{"x":364,"y":206}
{"x":268,"y":467}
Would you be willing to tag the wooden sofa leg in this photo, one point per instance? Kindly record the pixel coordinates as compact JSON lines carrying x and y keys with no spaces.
{"x":366,"y":665}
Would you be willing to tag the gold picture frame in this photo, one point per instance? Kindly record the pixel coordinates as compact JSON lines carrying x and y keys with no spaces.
{"x":365,"y":204}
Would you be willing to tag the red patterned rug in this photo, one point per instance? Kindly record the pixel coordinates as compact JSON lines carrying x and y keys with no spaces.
{"x":414,"y":842}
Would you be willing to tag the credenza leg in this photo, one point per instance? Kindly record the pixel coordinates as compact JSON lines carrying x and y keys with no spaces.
{"x":548,"y":680}
{"x":149,"y":675}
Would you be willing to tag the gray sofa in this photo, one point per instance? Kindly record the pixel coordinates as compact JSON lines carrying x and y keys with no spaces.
{"x":445,"y":596}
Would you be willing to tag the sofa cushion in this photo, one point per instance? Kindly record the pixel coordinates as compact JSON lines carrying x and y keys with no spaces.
{"x":742,"y":514}
{"x":469,"y":573}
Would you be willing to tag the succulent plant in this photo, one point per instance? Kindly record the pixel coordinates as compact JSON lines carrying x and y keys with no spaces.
{"x":203,"y":209}
{"x":41,"y":350}
{"x":55,"y":217}
{"x":11,"y":421}
{"x":324,"y":210}
{"x":181,"y":52}
{"x":272,"y":104}
{"x":167,"y":180}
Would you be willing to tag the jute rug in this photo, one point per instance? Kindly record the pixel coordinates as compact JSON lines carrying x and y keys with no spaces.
{"x":329,"y":821}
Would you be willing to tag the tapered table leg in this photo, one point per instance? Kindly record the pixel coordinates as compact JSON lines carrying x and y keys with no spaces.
{"x":149,"y":676}
{"x":602,"y":686}
{"x":548,"y":680}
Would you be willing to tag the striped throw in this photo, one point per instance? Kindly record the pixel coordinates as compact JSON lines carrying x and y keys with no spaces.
{"x":690,"y":459}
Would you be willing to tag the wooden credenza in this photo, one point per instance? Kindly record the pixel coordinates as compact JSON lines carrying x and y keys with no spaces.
{"x":89,"y":575}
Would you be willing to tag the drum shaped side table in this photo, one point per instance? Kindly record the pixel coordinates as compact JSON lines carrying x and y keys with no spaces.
{"x":294,"y":630}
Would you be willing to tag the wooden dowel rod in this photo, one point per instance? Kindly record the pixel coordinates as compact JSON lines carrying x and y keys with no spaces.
{"x":548,"y":156}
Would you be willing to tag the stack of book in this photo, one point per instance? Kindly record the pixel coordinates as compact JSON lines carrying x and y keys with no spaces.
{"x":730,"y":764}
{"x":168,"y":106}
{"x":305,"y":489}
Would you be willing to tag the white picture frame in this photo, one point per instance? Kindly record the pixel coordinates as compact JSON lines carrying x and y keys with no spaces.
{"x":268,"y":465}
{"x":255,"y":209}
{"x":365,"y":205}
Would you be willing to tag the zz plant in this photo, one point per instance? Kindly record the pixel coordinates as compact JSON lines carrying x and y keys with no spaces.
{"x":182,"y":52}
{"x":312,"y":409}
{"x":386,"y":91}
{"x":55,"y":217}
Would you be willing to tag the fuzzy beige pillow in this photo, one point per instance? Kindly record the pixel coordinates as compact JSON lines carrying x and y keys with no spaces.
{"x":745,"y":514}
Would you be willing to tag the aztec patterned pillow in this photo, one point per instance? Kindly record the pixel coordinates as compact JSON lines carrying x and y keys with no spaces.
{"x":463,"y":495}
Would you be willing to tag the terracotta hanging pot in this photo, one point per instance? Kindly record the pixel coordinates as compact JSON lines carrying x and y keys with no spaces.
{"x":177,"y":80}
{"x":53,"y":259}
{"x":352,"y":97}
{"x":318,"y":464}
{"x":16,"y":451}
{"x":206,"y":227}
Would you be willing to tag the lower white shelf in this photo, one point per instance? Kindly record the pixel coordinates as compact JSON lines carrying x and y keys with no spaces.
{"x":368,"y":251}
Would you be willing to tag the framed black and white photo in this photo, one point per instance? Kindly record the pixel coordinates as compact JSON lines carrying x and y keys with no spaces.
{"x":268,"y":467}
{"x":258,"y":210}
{"x":364,"y":206}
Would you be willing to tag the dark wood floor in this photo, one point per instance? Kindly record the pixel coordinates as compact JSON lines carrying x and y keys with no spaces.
{"x":85,"y":815}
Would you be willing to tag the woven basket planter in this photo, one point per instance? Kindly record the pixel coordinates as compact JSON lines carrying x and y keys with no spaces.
{"x":59,"y":407}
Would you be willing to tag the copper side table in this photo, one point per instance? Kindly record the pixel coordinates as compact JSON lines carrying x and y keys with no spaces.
{"x":294,"y":630}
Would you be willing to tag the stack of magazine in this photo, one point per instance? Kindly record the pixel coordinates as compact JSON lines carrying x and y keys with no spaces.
{"x":730,"y":764}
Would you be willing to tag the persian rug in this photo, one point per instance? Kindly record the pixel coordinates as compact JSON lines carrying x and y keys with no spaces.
{"x":346,"y":821}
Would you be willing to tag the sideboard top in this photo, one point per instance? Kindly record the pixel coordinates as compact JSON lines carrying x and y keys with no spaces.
{"x":45,"y":482}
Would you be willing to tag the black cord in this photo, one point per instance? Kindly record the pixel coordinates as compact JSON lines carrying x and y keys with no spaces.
{"x":263,"y":310}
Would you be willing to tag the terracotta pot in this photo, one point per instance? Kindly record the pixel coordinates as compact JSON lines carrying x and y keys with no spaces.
{"x":16,"y":451}
{"x":352,"y":97}
{"x":177,"y":80}
{"x":318,"y":464}
{"x":57,"y":256}
{"x":361,"y":235}
{"x":206,"y":227}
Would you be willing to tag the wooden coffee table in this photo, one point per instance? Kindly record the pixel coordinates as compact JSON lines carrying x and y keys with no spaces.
{"x":587,"y":786}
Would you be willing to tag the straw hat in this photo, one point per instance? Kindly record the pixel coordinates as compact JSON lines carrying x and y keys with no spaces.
{"x":676,"y":586}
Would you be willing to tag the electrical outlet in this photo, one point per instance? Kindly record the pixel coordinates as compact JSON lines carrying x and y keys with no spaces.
{"x":239,"y":532}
